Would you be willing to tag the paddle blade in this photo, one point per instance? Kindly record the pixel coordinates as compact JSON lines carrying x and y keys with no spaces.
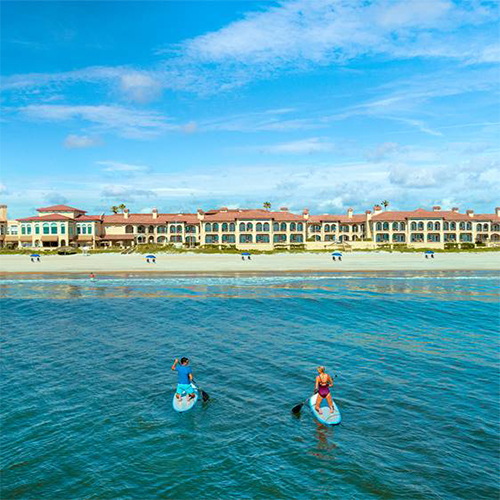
{"x":205,"y":396}
{"x":296,"y":409}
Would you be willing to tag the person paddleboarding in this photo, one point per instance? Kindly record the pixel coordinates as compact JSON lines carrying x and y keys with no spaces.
{"x":185,"y":378}
{"x":323,"y":384}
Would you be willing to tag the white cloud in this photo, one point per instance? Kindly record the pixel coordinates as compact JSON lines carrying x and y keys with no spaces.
{"x":81,"y":141}
{"x":54,"y":198}
{"x":303,"y":146}
{"x":114,"y":166}
{"x":127,"y":122}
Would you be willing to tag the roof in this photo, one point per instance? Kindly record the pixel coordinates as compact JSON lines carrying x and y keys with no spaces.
{"x":250,"y":214}
{"x":60,"y":208}
{"x":420,"y":213}
{"x":148,"y":219}
{"x":355,"y":219}
{"x":46,"y":218}
{"x":88,"y":218}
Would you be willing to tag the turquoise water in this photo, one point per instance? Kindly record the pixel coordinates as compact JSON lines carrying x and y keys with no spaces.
{"x":86,"y":387}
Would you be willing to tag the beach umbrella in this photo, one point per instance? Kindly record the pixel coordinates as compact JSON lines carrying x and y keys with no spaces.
{"x":429,"y":252}
{"x":150,"y":256}
{"x":35,"y":255}
{"x":337,"y":254}
{"x":245,"y":253}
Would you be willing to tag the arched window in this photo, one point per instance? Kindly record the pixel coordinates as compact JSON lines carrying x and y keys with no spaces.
{"x":258,"y":226}
{"x":300,"y":226}
{"x":171,"y":228}
{"x":46,"y":228}
{"x":151,"y":229}
{"x":293,"y":226}
{"x":208,"y":227}
{"x":242,"y":226}
{"x":28,"y":228}
{"x":453,"y":226}
{"x":395,"y":226}
{"x":401,"y":226}
{"x":469,"y":226}
{"x":429,"y":226}
{"x":63,"y":229}
{"x":437,"y":226}
{"x":355,"y":228}
{"x":385,"y":226}
{"x":420,"y":226}
{"x":266,"y":226}
{"x":53,"y":228}
{"x":379,"y":226}
{"x":249,"y":226}
{"x":129,"y":229}
{"x":479,"y":228}
{"x":446,"y":226}
{"x":23,"y":229}
{"x":413,"y":226}
{"x":462,"y":226}
{"x":215,"y":227}
{"x":327,"y":228}
{"x":141,"y":229}
{"x":276,"y":226}
{"x":232,"y":227}
{"x":333,"y":227}
{"x":224,"y":226}
{"x":283,"y":226}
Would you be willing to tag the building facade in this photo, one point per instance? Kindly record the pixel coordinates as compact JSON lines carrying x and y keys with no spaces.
{"x":62,"y":225}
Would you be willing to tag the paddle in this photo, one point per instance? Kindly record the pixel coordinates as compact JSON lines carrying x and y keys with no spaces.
{"x":296,"y":409}
{"x":204,"y":395}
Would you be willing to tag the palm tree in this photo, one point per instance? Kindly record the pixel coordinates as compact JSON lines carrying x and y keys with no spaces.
{"x":122,"y":207}
{"x":114,"y":209}
{"x":385,"y":204}
{"x":267,"y":205}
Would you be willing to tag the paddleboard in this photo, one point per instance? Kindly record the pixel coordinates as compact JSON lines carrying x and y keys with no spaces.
{"x":326,"y":417}
{"x":184,"y":404}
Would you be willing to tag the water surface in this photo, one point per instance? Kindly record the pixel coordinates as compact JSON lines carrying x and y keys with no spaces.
{"x":86,"y":386}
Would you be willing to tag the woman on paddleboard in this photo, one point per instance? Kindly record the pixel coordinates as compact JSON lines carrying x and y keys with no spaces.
{"x":323,"y":384}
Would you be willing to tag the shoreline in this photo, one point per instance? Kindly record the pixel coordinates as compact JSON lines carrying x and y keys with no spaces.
{"x":231,"y":265}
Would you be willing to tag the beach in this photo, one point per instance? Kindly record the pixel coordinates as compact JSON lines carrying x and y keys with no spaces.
{"x":233,"y":264}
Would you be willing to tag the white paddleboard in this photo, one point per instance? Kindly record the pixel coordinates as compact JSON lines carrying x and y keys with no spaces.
{"x":185,"y":404}
{"x":326,"y":417}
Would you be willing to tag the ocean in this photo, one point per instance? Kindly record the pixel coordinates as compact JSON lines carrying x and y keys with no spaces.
{"x":86,"y":386}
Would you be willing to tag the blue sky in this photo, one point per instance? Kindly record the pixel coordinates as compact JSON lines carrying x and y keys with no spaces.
{"x":325,"y":104}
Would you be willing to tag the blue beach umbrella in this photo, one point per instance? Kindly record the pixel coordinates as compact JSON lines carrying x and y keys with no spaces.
{"x":150,"y":257}
{"x":429,"y":252}
{"x":337,"y":254}
{"x":245,"y":253}
{"x":35,"y":255}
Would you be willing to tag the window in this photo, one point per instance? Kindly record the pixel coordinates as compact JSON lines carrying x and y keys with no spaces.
{"x":354,"y":228}
{"x":232,"y":227}
{"x":385,"y":226}
{"x":398,"y":238}
{"x":63,"y":228}
{"x":70,"y":229}
{"x":215,"y":227}
{"x":266,"y":226}
{"x":379,"y":226}
{"x":437,"y":226}
{"x":53,"y":228}
{"x":434,"y":237}
{"x":191,"y":229}
{"x":429,"y":226}
{"x":141,"y":229}
{"x":212,"y":238}
{"x":382,"y":237}
{"x":401,"y":226}
{"x":300,"y":226}
{"x":37,"y":229}
{"x":395,"y":226}
{"x":83,"y":229}
{"x":417,"y":237}
{"x":151,"y":229}
{"x":130,"y":229}
{"x":330,"y":237}
{"x":23,"y":229}
{"x":161,"y":230}
{"x":420,"y":226}
{"x":453,"y":226}
{"x":208,"y":227}
{"x":333,"y":227}
{"x":446,"y":226}
{"x":228,"y":238}
{"x":344,"y":229}
{"x":249,"y":226}
{"x":293,"y":226}
{"x":276,"y":226}
{"x":467,"y":237}
{"x":224,"y":227}
{"x":462,"y":226}
{"x":258,"y":226}
{"x":296,"y":238}
{"x":246,"y":238}
{"x":413,"y":226}
{"x":46,"y":228}
{"x":262,"y":238}
{"x":283,"y":226}
{"x":279,"y":238}
{"x":13,"y":230}
{"x":327,"y":228}
{"x":89,"y":229}
{"x":242,"y":226}
{"x":469,"y":226}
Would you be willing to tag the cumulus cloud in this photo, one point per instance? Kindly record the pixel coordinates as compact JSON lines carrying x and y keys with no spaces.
{"x":54,"y":198}
{"x":303,"y":146}
{"x":410,"y":177}
{"x":126,"y":193}
{"x":114,"y":166}
{"x":74,"y":141}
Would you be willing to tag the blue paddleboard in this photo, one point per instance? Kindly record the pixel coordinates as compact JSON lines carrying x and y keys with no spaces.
{"x":326,"y":417}
{"x":183,"y":404}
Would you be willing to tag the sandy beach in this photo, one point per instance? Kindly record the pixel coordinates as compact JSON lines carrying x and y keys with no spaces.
{"x":227,"y":263}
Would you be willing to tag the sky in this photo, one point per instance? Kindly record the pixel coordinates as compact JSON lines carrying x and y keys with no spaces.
{"x":319,"y":104}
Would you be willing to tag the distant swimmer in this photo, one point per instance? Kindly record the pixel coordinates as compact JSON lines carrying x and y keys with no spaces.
{"x":323,"y":384}
{"x":185,"y":377}
{"x":92,"y":276}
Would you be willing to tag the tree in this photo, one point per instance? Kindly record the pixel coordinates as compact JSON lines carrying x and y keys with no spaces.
{"x":122,"y":207}
{"x":385,"y":204}
{"x":114,"y":209}
{"x":267,"y":205}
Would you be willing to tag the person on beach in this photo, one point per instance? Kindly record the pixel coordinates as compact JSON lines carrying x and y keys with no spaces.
{"x":323,"y":384}
{"x":185,"y":377}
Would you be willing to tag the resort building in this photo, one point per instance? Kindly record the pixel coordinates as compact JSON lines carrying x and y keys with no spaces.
{"x":62,"y":225}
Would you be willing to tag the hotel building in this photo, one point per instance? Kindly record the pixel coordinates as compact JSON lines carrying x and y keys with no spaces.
{"x":254,"y":229}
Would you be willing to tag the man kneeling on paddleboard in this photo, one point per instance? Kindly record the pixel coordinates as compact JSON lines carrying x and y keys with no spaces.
{"x":185,"y":377}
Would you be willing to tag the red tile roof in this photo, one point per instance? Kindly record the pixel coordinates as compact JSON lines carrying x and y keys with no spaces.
{"x":344,"y":219}
{"x":45,"y":218}
{"x":250,"y":214}
{"x":148,"y":219}
{"x":88,"y":218}
{"x":60,"y":208}
{"x":420,"y":213}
